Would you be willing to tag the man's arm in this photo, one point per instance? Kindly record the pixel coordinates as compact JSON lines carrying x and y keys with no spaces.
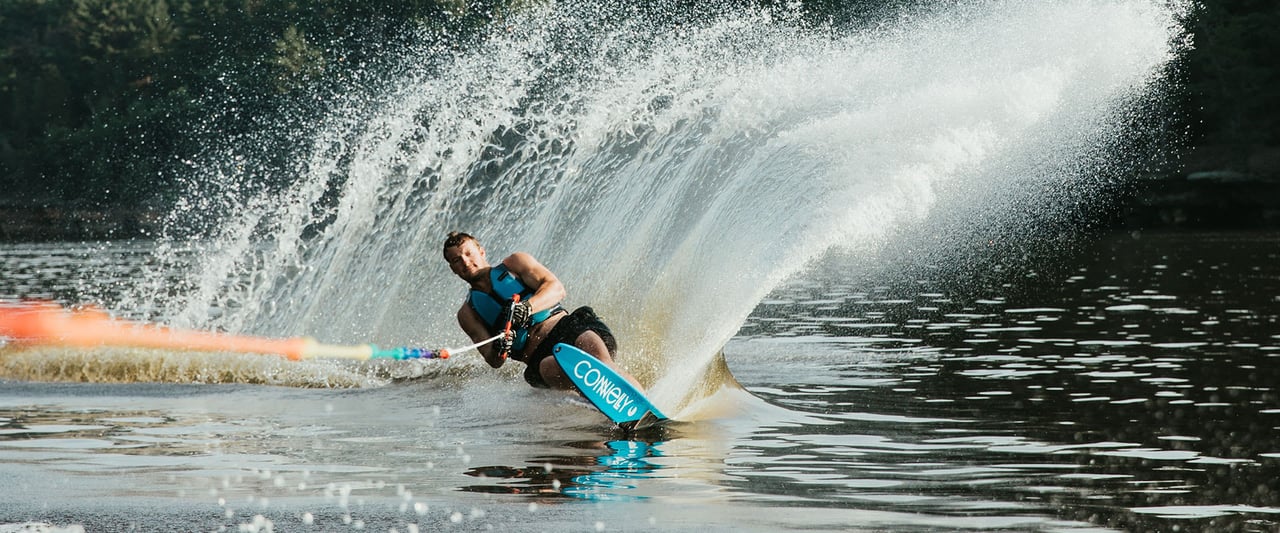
{"x":474,"y":328}
{"x":547,"y":289}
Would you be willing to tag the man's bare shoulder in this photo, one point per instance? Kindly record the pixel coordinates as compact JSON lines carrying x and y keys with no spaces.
{"x":521,"y":263}
{"x":519,"y":258}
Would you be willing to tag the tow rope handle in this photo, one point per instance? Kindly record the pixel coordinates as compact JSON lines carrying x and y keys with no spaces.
{"x":515,"y":299}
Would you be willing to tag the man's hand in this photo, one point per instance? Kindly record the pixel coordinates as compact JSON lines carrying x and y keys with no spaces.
{"x":504,"y":344}
{"x":519,"y":314}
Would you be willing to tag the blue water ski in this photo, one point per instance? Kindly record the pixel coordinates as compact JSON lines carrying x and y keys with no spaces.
{"x":614,"y":396}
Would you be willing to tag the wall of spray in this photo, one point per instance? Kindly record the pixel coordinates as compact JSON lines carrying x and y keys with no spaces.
{"x":671,"y":168}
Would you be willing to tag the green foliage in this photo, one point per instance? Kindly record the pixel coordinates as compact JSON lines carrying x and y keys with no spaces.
{"x":296,"y":60}
{"x":127,"y":29}
{"x":99,"y":99}
{"x":1233,"y":74}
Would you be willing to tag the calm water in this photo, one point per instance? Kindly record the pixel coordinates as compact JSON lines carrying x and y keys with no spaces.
{"x":1133,"y":389}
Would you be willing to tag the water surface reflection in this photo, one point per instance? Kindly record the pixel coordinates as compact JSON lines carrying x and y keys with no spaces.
{"x":1132,"y":390}
{"x":609,"y":476}
{"x":1139,"y":390}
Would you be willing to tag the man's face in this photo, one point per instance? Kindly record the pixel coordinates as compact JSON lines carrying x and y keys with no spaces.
{"x":467,"y":260}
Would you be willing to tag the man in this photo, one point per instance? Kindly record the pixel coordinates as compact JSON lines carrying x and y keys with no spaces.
{"x":538,"y":322}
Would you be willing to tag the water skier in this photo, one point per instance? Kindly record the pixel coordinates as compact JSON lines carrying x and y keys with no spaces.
{"x":538,"y":322}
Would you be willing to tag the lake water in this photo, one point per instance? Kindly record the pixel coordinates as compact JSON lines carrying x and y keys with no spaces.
{"x":1127,"y":386}
{"x":811,"y":241}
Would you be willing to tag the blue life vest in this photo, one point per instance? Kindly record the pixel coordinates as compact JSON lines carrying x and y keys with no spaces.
{"x":489,"y":305}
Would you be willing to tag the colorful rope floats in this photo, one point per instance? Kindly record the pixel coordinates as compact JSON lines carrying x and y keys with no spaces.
{"x":43,"y":323}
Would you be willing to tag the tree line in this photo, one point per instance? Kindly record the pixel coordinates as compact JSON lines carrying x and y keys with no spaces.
{"x":98,"y":97}
{"x":1232,"y":76}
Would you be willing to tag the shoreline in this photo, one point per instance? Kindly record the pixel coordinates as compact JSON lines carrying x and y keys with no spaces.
{"x":53,"y":223}
{"x":1218,"y":187}
{"x":1199,"y":201}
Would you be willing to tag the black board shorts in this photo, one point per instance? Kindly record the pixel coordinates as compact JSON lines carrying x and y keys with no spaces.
{"x":581,"y":320}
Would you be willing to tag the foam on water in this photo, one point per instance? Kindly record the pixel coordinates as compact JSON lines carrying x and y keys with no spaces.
{"x":130,"y":365}
{"x":671,"y":168}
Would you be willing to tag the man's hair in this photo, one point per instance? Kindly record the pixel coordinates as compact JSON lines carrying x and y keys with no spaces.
{"x":456,"y":238}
